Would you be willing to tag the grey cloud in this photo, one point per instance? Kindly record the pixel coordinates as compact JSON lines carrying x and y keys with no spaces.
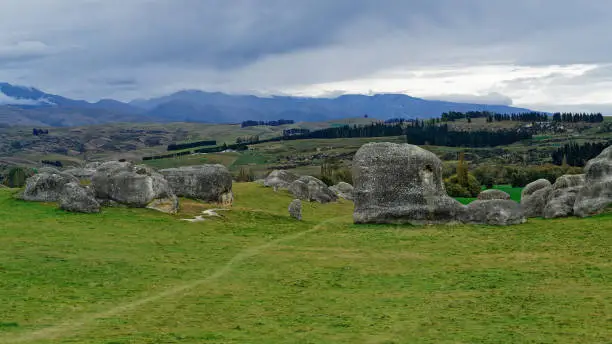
{"x":242,"y":45}
{"x":491,"y":98}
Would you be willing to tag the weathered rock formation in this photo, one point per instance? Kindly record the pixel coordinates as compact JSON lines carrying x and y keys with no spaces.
{"x":81,"y":173}
{"x":343,"y":190}
{"x":534,"y":197}
{"x":76,"y":198}
{"x":492,"y":194}
{"x":561,"y":200}
{"x":596,"y":195}
{"x":401,"y":183}
{"x":312,"y":189}
{"x":136,"y":186}
{"x":210,"y":183}
{"x":295,"y":209}
{"x":46,"y":186}
{"x":497,"y":212}
{"x":280,"y":179}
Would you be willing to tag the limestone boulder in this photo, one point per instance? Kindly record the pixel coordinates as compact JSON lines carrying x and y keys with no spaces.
{"x":534,"y":197}
{"x":46,"y":186}
{"x":210,"y":183}
{"x":311,"y":189}
{"x":492,"y":194}
{"x":596,"y":195}
{"x":343,"y":190}
{"x":280,"y":179}
{"x":295,"y":209}
{"x":401,"y":183}
{"x":498,"y":212}
{"x":562,"y":198}
{"x":75,"y":198}
{"x":136,"y":186}
{"x":81,"y":173}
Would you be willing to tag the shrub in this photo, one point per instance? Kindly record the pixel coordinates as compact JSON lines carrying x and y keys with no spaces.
{"x":473,"y":187}
{"x":16,"y":178}
{"x":245,"y":175}
{"x":456,"y":190}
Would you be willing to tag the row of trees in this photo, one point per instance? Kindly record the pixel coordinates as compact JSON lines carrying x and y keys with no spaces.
{"x":247,"y":139}
{"x":37,"y":132}
{"x":578,"y":117}
{"x":55,"y":163}
{"x":440,"y":135}
{"x":523,"y":117}
{"x":181,"y":146}
{"x":574,"y":154}
{"x":268,"y":123}
{"x":519,"y":117}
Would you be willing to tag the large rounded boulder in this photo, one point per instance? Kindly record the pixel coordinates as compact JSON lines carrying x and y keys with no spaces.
{"x":534,"y":197}
{"x":136,"y":186}
{"x":562,"y":198}
{"x":210,"y":183}
{"x":492,"y":194}
{"x":343,"y":190}
{"x":596,"y":195}
{"x":498,"y":212}
{"x":75,"y":198}
{"x":312,"y":189}
{"x":401,"y":183}
{"x":280,"y":179}
{"x":47,"y":186}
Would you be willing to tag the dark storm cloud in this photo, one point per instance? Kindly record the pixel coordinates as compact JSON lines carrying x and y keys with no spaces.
{"x":258,"y":45}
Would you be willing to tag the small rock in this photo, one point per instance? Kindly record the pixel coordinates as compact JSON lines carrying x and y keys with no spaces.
{"x":295,"y":209}
{"x":343,"y":190}
{"x":492,"y":194}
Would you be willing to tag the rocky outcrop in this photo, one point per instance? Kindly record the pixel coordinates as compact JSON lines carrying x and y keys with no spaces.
{"x":210,"y":183}
{"x":312,"y":189}
{"x":75,"y":198}
{"x":280,"y":179}
{"x":496,"y":212}
{"x":46,"y":186}
{"x":596,"y":195}
{"x":136,"y":186}
{"x":492,"y":194}
{"x":562,"y":198}
{"x":343,"y":190}
{"x":401,"y":183}
{"x":295,"y":209}
{"x":81,"y":173}
{"x":534,"y":197}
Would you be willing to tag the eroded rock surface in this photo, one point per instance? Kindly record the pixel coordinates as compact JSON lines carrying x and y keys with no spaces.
{"x":534,"y":197}
{"x":210,"y":183}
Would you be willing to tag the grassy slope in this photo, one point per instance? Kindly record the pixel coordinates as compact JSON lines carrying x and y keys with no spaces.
{"x":98,"y":278}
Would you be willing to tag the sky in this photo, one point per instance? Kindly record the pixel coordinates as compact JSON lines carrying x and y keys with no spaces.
{"x":552,"y":55}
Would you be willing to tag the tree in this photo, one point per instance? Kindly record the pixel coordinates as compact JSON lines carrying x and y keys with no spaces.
{"x":462,"y":171}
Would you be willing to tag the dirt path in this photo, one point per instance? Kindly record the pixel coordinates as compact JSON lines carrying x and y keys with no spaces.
{"x":79,"y":325}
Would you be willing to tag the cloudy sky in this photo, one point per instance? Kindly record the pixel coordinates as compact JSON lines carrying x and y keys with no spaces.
{"x":543,"y":54}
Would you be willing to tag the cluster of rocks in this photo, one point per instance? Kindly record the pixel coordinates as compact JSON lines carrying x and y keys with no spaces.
{"x":307,"y":188}
{"x":116,"y":183}
{"x":402,"y":183}
{"x":580,"y":195}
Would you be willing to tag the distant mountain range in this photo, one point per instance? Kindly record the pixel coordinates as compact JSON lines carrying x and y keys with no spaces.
{"x":29,"y":106}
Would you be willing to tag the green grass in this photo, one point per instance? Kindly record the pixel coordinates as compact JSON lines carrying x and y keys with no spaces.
{"x":515,"y":194}
{"x":256,"y":276}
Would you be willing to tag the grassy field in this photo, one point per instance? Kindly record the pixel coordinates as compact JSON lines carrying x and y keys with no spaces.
{"x":257,"y":276}
{"x":515,"y":193}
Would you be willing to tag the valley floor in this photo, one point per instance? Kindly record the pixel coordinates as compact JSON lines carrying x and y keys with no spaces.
{"x":257,"y":276}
